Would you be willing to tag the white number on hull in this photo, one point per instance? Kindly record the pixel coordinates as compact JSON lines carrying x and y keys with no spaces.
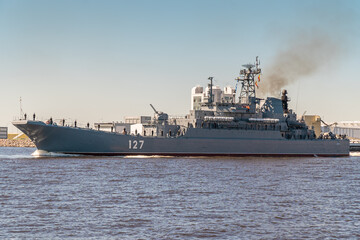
{"x":136,"y":144}
{"x":141,"y":143}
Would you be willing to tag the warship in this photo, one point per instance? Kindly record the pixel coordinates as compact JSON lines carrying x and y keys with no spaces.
{"x":232,"y":124}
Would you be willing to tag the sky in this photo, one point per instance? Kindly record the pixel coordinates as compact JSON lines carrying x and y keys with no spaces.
{"x":96,"y":61}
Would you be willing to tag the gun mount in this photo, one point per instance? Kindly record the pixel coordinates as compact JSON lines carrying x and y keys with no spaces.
{"x":159,"y":116}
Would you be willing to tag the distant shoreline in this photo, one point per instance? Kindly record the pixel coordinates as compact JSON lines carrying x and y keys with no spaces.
{"x":16,"y":143}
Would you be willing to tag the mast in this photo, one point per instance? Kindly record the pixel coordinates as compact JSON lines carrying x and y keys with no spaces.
{"x":210,"y":99}
{"x":247,"y":76}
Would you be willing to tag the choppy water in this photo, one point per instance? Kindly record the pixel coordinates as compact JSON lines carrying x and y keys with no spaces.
{"x":178,"y":198}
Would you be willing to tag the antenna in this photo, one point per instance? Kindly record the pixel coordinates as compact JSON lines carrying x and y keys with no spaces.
{"x":21,"y":111}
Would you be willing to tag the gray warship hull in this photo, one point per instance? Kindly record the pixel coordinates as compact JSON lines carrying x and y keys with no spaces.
{"x":195,"y":142}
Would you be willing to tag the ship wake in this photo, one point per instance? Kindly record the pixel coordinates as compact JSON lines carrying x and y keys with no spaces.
{"x":42,"y":153}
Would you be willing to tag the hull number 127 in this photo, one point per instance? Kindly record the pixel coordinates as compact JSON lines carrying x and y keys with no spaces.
{"x":136,"y":144}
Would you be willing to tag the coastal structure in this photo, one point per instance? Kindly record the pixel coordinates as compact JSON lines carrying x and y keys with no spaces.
{"x":313,"y":122}
{"x":3,"y":132}
{"x":220,"y":123}
{"x":16,"y":140}
{"x":348,"y":128}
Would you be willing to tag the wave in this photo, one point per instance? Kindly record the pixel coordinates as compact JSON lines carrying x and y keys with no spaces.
{"x":354,"y":154}
{"x":42,"y":153}
{"x":15,"y":156}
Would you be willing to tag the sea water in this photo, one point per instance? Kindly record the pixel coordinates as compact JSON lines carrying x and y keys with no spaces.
{"x":75,"y":197}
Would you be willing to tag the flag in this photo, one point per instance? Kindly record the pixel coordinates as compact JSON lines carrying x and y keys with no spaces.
{"x":256,"y":84}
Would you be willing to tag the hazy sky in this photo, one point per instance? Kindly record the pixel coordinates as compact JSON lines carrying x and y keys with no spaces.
{"x":103,"y":60}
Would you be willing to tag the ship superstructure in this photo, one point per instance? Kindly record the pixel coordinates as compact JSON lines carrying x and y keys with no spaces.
{"x":218,"y":124}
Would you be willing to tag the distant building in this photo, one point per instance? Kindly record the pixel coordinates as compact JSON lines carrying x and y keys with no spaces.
{"x":349,"y":128}
{"x":121,"y":126}
{"x":228,"y":94}
{"x":3,"y":132}
{"x":313,"y":122}
{"x":139,"y":119}
{"x":199,"y":96}
{"x":105,"y":126}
